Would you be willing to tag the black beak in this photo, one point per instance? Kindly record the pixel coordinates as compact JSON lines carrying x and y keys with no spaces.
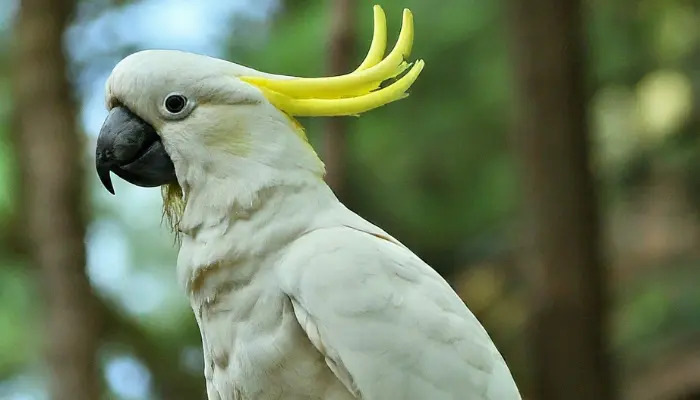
{"x":131,"y":148}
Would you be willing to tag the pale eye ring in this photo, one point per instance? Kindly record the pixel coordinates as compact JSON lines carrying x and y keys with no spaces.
{"x":174,"y":103}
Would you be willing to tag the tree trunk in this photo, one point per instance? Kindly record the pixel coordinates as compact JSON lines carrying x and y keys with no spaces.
{"x":50,"y":154}
{"x":340,"y":57}
{"x":570,"y":296}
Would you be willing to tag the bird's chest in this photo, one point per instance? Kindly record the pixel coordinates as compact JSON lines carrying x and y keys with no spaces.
{"x":254,"y":348}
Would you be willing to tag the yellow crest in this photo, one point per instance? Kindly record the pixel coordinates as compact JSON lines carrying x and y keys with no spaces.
{"x":356,"y":92}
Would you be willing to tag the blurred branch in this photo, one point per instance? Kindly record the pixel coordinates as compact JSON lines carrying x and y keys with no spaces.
{"x":50,"y":152}
{"x":570,"y":330}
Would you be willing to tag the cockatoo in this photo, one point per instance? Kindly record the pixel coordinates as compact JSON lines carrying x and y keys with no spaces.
{"x":296,"y":296}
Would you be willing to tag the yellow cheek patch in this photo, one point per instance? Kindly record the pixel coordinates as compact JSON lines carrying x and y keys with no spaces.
{"x":236,"y":123}
{"x":353,"y":93}
{"x":237,"y":142}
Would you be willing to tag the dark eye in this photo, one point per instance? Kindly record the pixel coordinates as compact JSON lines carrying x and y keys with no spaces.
{"x":175,"y":103}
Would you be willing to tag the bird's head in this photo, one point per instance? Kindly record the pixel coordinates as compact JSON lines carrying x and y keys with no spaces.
{"x":176,"y":116}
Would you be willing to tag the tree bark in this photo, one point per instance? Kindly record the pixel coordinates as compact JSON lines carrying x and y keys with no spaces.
{"x":570,"y":296}
{"x":50,"y":154}
{"x":340,"y":57}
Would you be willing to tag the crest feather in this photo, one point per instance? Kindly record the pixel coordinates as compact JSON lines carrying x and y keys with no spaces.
{"x":353,"y":93}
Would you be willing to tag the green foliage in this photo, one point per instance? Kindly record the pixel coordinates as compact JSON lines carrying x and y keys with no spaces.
{"x":19,"y":325}
{"x":652,"y":318}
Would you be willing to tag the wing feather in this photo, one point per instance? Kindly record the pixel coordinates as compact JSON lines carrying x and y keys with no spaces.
{"x":388,"y":325}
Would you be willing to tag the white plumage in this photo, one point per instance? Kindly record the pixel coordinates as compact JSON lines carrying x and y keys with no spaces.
{"x":331,"y":307}
{"x":296,"y":296}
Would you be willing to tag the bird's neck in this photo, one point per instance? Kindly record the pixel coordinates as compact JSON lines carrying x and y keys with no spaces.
{"x":241,"y":219}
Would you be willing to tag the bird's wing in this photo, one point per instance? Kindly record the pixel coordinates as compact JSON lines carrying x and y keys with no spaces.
{"x":388,"y":325}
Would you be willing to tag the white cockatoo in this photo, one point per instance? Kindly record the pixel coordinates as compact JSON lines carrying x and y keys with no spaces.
{"x":296,"y":296}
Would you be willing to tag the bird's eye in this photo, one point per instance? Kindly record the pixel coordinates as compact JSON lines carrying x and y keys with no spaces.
{"x":175,"y":103}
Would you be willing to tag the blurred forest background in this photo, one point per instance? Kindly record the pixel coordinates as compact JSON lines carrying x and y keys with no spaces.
{"x":586,"y":277}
